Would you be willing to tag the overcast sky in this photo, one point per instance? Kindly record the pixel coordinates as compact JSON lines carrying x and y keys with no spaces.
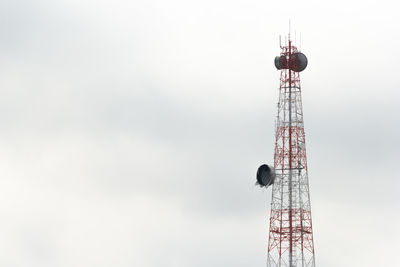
{"x":131,"y":131}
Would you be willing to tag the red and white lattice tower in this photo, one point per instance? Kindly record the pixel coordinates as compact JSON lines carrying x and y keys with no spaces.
{"x":290,"y":232}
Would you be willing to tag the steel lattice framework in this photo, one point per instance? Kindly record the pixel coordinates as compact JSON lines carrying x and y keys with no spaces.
{"x":290,"y":234}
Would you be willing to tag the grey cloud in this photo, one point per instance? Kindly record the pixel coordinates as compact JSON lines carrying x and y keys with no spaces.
{"x":130,"y":132}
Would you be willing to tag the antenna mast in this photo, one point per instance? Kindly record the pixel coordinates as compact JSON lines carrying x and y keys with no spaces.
{"x":291,"y":242}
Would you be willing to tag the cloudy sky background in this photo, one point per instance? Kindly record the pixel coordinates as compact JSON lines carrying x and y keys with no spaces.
{"x":130,"y":131}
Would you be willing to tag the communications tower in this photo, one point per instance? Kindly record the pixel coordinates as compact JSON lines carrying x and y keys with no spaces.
{"x":290,"y":241}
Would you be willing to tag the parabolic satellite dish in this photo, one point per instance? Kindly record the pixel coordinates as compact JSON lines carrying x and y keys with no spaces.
{"x":265,"y":175}
{"x":298,"y":62}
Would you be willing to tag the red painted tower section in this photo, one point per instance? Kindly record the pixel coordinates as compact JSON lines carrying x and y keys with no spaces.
{"x":290,"y":233}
